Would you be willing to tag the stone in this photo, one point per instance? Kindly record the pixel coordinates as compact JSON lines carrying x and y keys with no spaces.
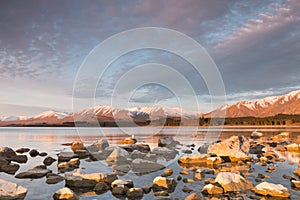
{"x":43,"y":154}
{"x":150,"y":157}
{"x":100,"y":155}
{"x":118,"y":157}
{"x":232,"y":182}
{"x":66,"y":156}
{"x":33,"y":173}
{"x":10,"y":168}
{"x":128,"y":140}
{"x":101,"y":144}
{"x":212,"y":189}
{"x":187,"y":151}
{"x":121,"y":169}
{"x":161,"y":194}
{"x":137,"y":154}
{"x":54,"y":178}
{"x":167,"y":172}
{"x":147,"y":189}
{"x":293,"y":147}
{"x":199,"y":159}
{"x":165,"y":152}
{"x":65,"y":194}
{"x":188,"y":180}
{"x":297,"y":172}
{"x":144,"y":166}
{"x":80,"y":180}
{"x":271,"y":189}
{"x":295,"y":183}
{"x":257,"y":149}
{"x":82,"y":153}
{"x":10,"y":155}
{"x":256,"y":135}
{"x":203,"y":148}
{"x":168,"y":142}
{"x":119,"y":182}
{"x":281,"y":137}
{"x":119,"y":191}
{"x":193,"y":196}
{"x":22,"y":150}
{"x":209,"y":181}
{"x":186,"y":189}
{"x":77,"y":145}
{"x":101,"y":188}
{"x":164,"y":184}
{"x":141,"y":147}
{"x":11,"y":191}
{"x":199,"y":174}
{"x":235,"y":148}
{"x":34,"y":153}
{"x":135,"y":193}
{"x":49,"y":161}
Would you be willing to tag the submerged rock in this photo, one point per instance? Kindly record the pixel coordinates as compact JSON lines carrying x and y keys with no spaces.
{"x":65,"y":194}
{"x":34,"y":173}
{"x":11,"y":191}
{"x":144,"y":166}
{"x":232,"y":182}
{"x":271,"y":189}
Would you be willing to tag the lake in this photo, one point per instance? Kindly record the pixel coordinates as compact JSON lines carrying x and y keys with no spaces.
{"x":50,"y":140}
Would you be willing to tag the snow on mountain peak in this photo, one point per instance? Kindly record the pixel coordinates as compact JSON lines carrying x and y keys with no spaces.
{"x":58,"y":115}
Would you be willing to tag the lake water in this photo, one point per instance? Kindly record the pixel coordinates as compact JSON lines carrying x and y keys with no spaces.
{"x":50,"y":140}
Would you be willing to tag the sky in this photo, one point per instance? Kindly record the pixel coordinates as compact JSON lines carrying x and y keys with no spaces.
{"x":254,"y":44}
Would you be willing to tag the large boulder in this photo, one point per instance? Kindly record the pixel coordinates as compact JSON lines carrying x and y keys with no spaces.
{"x":11,"y":191}
{"x":232,"y":182}
{"x":78,"y":180}
{"x":168,"y":142}
{"x":65,"y":194}
{"x":199,"y":159}
{"x":273,"y":190}
{"x":164,"y":184}
{"x":118,"y":157}
{"x":235,"y":148}
{"x":145,"y":166}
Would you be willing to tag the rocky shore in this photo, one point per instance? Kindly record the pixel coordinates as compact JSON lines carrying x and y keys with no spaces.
{"x":235,"y":168}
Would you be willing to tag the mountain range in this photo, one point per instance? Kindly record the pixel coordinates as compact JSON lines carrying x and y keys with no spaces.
{"x":270,"y":106}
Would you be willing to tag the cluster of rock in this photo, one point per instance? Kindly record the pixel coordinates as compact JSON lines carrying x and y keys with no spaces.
{"x":227,"y":163}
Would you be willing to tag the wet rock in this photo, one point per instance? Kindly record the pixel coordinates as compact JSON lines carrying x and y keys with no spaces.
{"x":168,"y":142}
{"x":203,"y":148}
{"x":270,"y":189}
{"x":100,"y":145}
{"x":200,"y":159}
{"x":66,"y":156}
{"x":34,"y":173}
{"x":235,"y":148}
{"x":193,"y":196}
{"x":95,"y":156}
{"x":22,"y":150}
{"x":119,"y":191}
{"x":232,"y":182}
{"x":167,"y":172}
{"x":10,"y":155}
{"x":281,"y":137}
{"x":82,"y":153}
{"x":144,"y":166}
{"x":257,"y":149}
{"x":186,"y":189}
{"x":77,"y":179}
{"x":121,"y":169}
{"x":9,"y":168}
{"x":142,"y":147}
{"x":128,"y":140}
{"x":65,"y":194}
{"x":49,"y":161}
{"x":165,"y":152}
{"x":188,"y":180}
{"x":11,"y":191}
{"x":293,"y":147}
{"x":164,"y":184}
{"x":199,"y":174}
{"x":34,"y":153}
{"x":54,"y":178}
{"x":101,"y":188}
{"x":135,"y":193}
{"x":77,"y":145}
{"x":119,"y":182}
{"x":161,"y":194}
{"x":209,"y":181}
{"x":137,"y":154}
{"x":68,"y":166}
{"x":212,"y":189}
{"x":118,"y":157}
{"x":43,"y":154}
{"x":295,"y":183}
{"x":256,"y":135}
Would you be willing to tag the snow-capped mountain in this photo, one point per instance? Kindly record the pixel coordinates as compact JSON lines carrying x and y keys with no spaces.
{"x":270,"y":106}
{"x":12,"y":118}
{"x":51,"y":114}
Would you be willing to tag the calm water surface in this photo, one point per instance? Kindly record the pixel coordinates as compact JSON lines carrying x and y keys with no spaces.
{"x":50,"y":140}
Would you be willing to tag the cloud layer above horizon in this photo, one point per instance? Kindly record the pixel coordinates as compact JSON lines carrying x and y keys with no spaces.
{"x":255,"y":44}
